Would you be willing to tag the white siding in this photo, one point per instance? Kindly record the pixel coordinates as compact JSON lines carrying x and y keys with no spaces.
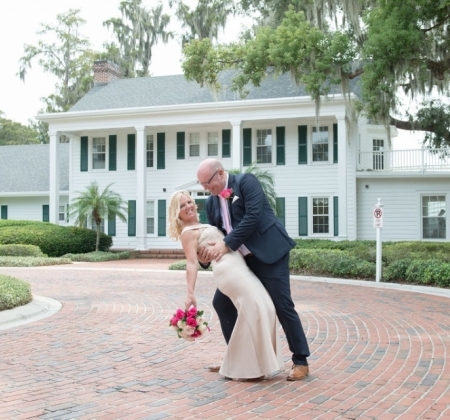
{"x":402,"y":206}
{"x":28,"y":208}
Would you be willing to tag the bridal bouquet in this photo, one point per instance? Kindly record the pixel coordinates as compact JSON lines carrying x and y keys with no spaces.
{"x":189,"y":324}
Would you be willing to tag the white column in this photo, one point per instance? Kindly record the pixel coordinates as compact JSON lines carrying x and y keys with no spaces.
{"x":54,"y":177}
{"x":342,"y":177}
{"x":141,"y":188}
{"x":236,"y":144}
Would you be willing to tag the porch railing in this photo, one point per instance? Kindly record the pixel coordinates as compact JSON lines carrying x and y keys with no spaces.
{"x":416,"y":160}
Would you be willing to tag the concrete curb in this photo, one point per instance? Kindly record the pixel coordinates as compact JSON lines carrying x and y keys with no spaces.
{"x":40,"y":307}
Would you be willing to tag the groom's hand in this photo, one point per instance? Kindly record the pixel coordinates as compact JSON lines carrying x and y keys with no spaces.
{"x":218,"y":250}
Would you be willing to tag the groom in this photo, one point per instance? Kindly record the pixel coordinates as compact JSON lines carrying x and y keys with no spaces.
{"x":265,"y":244}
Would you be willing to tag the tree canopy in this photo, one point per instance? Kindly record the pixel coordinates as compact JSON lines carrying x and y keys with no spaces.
{"x":68,"y":57}
{"x":394,"y":47}
{"x":15,"y":133}
{"x":136,"y":33}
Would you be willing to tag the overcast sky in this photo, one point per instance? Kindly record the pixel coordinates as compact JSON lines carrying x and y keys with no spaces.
{"x":21,"y":19}
{"x":19,"y":22}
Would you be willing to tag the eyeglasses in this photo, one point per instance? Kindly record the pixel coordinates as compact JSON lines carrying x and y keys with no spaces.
{"x":209,"y":180}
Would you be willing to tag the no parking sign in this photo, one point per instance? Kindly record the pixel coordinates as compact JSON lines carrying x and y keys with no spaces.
{"x":377,"y":217}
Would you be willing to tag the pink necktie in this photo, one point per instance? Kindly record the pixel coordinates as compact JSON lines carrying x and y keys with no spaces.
{"x":227,"y":223}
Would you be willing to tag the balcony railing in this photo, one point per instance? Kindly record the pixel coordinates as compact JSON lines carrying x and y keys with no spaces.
{"x":417,"y":160}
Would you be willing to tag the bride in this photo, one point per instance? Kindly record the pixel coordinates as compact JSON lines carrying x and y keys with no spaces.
{"x":254,"y":348}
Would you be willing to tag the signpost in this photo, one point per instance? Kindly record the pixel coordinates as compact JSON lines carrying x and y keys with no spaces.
{"x":378,"y":224}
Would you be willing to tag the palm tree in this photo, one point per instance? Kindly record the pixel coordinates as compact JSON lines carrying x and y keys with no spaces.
{"x":267,"y":183}
{"x":205,"y":20}
{"x":95,"y":205}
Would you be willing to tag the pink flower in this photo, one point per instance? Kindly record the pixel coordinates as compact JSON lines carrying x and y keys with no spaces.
{"x":226,"y":193}
{"x":192,"y":322}
{"x":180,"y":314}
{"x":192,"y":311}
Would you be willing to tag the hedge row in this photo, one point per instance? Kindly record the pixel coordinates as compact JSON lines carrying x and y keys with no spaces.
{"x":13,"y":292}
{"x":53,"y":240}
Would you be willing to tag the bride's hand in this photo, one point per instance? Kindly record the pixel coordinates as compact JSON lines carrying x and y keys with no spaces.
{"x":190,"y":301}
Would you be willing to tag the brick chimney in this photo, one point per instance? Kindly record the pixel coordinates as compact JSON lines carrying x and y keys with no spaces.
{"x":105,"y":71}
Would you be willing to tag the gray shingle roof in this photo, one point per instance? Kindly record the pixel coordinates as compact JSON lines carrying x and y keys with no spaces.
{"x":25,"y":168}
{"x":176,"y":90}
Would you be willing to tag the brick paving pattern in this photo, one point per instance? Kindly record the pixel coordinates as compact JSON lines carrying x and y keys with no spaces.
{"x":109,"y":353}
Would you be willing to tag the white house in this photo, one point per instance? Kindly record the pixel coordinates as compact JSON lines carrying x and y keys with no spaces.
{"x":148,"y":135}
{"x":24,"y":182}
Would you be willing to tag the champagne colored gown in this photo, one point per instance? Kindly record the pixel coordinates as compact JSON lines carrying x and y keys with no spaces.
{"x":254,"y":348}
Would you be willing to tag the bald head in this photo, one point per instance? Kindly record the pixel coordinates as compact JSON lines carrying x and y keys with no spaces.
{"x":212,"y":176}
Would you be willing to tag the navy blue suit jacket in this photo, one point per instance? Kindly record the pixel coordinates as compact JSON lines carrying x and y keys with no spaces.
{"x":253,"y":221}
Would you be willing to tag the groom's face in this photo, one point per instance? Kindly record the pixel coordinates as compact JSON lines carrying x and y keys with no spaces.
{"x":212,"y":181}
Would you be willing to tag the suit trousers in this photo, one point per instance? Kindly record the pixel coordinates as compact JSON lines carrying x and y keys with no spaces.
{"x":275,"y":278}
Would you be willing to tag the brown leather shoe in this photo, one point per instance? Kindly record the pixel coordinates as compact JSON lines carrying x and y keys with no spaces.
{"x":298,"y":372}
{"x":214,"y":367}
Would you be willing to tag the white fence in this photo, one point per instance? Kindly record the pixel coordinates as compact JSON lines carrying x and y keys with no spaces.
{"x":417,"y":160}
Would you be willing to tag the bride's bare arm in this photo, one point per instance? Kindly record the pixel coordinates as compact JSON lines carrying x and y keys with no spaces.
{"x":189,"y":241}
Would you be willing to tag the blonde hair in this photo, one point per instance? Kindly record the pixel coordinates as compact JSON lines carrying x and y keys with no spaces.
{"x":175,"y":224}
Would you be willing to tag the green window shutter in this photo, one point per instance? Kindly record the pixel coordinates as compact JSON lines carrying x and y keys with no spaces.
{"x":180,"y":144}
{"x":303,"y":216}
{"x":4,"y":212}
{"x":302,"y":144}
{"x":226,"y":144}
{"x":281,"y":210}
{"x":131,"y":152}
{"x":161,"y":217}
{"x":84,"y":154}
{"x":247,"y":152}
{"x":281,"y":159}
{"x":131,"y":217}
{"x":161,"y":150}
{"x":112,"y":152}
{"x":111,"y":225}
{"x":45,"y":213}
{"x":336,"y":215}
{"x":335,"y":143}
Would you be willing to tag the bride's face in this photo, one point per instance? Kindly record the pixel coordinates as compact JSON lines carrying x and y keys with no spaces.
{"x":188,"y":211}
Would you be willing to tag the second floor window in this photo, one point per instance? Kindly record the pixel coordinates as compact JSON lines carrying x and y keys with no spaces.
{"x":150,"y":151}
{"x":264,"y":146}
{"x":320,"y":144}
{"x":194,"y":144}
{"x":99,"y":153}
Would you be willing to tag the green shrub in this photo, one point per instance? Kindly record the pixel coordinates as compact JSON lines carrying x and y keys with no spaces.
{"x":32,"y":261}
{"x":53,"y":240}
{"x":17,"y":250}
{"x":13,"y":292}
{"x":330,"y":262}
{"x":98,"y":256}
{"x":397,"y":270}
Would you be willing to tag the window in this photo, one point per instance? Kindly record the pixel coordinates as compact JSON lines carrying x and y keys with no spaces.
{"x":62,"y":214}
{"x":99,"y":153}
{"x":194,"y":144}
{"x":321,"y":212}
{"x":213,"y":143}
{"x":150,"y":151}
{"x":150,"y":217}
{"x":434,"y":217}
{"x":378,"y":154}
{"x":264,"y":146}
{"x":320,"y":145}
{"x":94,"y":225}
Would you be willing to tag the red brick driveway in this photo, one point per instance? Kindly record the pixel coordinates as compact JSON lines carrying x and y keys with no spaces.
{"x":109,"y":354}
